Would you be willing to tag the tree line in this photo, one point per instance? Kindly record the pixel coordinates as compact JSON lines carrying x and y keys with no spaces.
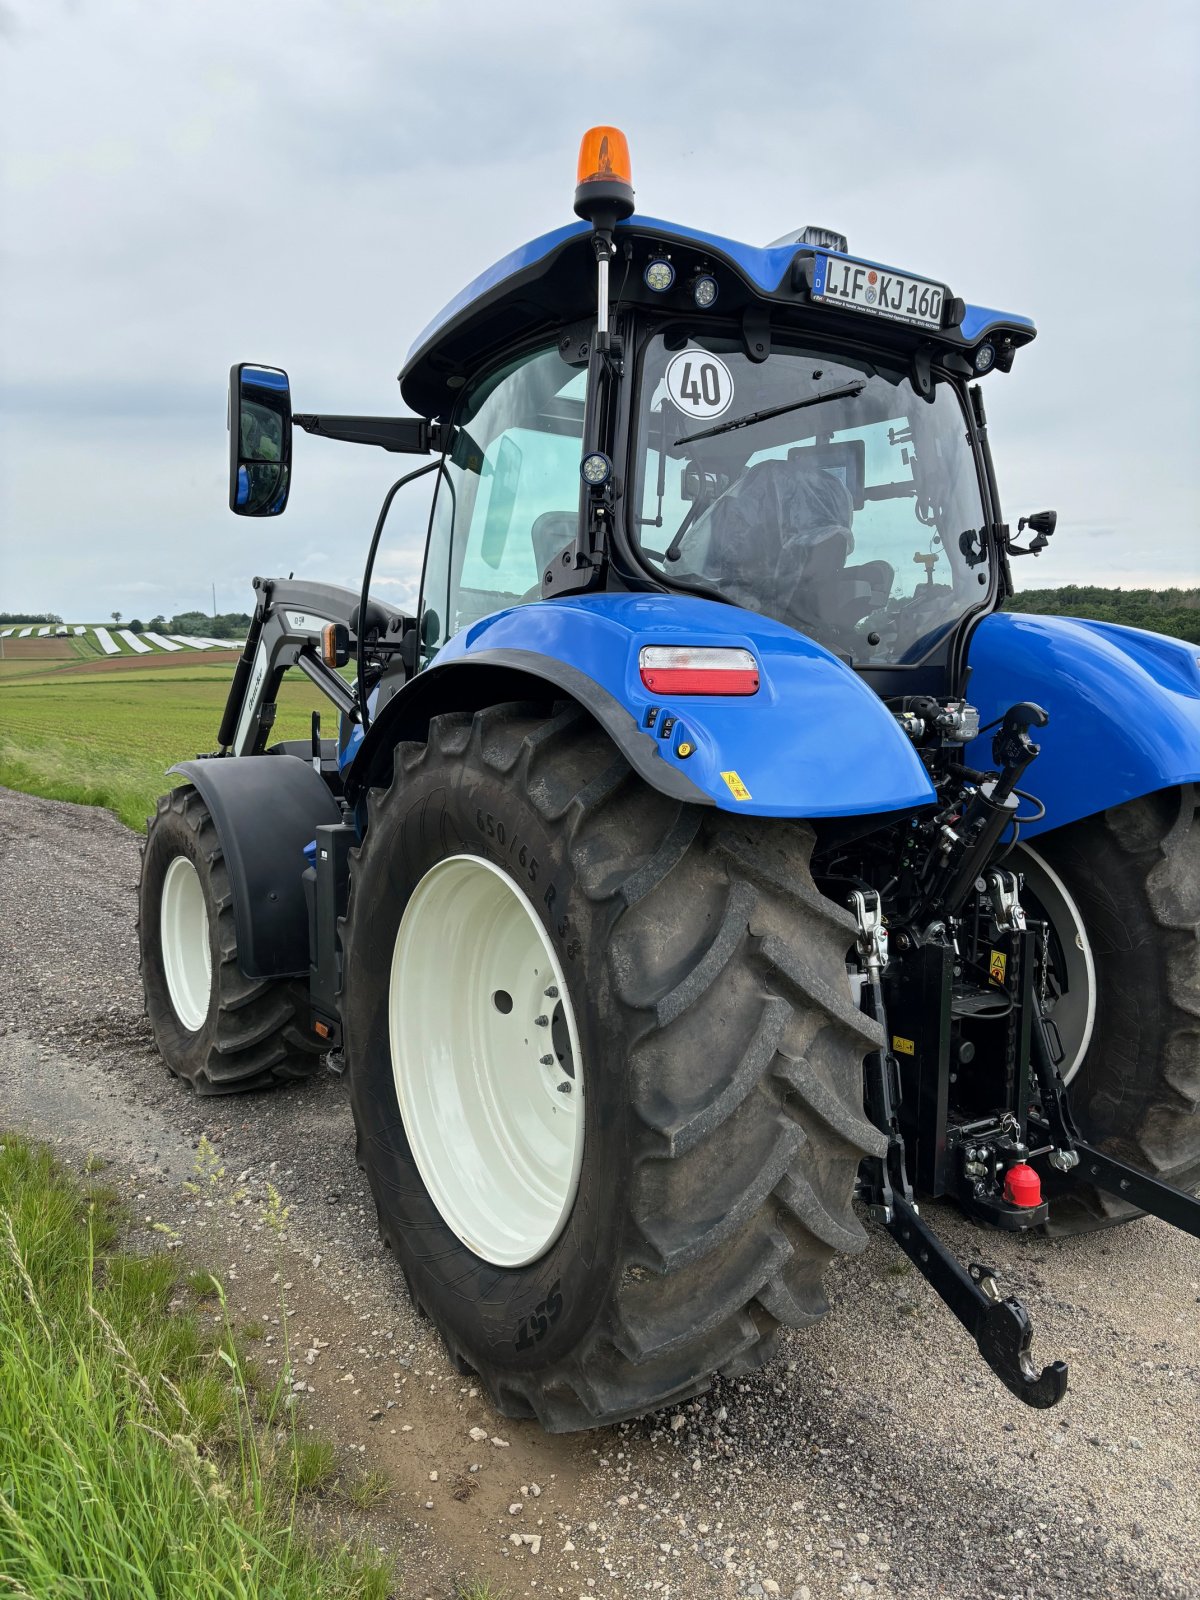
{"x":1171,"y":611}
{"x":194,"y":624}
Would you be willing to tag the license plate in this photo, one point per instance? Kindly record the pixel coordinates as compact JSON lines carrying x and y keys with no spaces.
{"x":895,"y":295}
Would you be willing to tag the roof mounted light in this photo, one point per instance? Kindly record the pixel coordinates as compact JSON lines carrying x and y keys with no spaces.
{"x":704,"y":290}
{"x":659,"y":275}
{"x":604,"y":185}
{"x":984,"y":358}
{"x":692,"y":669}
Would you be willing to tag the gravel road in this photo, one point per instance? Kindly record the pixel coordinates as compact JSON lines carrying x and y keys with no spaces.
{"x":877,"y":1457}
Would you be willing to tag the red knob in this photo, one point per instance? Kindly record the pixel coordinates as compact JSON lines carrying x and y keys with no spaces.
{"x":1022,"y":1186}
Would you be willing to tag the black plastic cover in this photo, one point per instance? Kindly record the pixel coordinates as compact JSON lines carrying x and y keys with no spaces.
{"x":265,"y":809}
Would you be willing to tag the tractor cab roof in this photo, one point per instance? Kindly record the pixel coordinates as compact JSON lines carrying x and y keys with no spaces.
{"x":549,"y":283}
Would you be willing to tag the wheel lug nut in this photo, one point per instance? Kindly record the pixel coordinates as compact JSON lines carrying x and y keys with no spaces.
{"x":542,"y":1021}
{"x":564,"y":1087}
{"x":552,"y":992}
{"x":547,"y":1061}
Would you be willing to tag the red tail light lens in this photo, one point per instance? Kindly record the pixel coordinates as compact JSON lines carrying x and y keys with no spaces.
{"x":705,"y":669}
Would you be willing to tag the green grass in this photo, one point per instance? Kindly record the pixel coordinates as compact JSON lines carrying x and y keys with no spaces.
{"x":105,"y":736}
{"x":366,"y":1489}
{"x":134,"y":1462}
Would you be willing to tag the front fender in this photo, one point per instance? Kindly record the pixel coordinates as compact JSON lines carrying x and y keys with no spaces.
{"x":814,"y":741}
{"x":265,"y":810}
{"x":1124,"y":708}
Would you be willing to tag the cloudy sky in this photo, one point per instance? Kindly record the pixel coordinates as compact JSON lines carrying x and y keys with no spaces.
{"x":305,"y":182}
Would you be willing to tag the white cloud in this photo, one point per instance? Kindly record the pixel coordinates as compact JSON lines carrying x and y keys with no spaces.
{"x":307,"y":181}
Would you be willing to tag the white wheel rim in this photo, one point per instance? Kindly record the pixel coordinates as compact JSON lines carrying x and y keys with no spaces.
{"x":1074,"y":1013}
{"x":486,"y":1059}
{"x":187,"y":961}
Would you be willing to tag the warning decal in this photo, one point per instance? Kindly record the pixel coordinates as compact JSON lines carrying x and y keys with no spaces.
{"x":737,"y":788}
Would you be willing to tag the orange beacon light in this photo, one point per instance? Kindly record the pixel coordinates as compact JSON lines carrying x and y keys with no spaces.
{"x":604,"y":185}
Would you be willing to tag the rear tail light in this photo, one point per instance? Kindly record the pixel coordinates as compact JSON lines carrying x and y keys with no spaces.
{"x":672,"y":669}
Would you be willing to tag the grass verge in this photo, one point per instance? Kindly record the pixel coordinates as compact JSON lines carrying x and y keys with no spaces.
{"x":135,"y":1462}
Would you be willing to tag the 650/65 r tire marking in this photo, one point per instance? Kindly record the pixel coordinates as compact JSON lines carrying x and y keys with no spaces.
{"x":519,"y":853}
{"x":493,"y":828}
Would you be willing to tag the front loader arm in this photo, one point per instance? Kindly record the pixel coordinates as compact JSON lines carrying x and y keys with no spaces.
{"x":289,"y":620}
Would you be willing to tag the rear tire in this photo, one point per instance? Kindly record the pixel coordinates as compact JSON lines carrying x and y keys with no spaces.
{"x":1134,"y":874}
{"x":721,"y":1059}
{"x":219,"y":1030}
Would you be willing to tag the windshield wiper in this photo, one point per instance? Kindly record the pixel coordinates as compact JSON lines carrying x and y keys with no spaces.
{"x":844,"y":393}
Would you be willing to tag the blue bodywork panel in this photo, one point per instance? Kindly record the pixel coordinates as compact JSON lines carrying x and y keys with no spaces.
{"x":1124,"y":709}
{"x":815,"y":741}
{"x":763,"y":266}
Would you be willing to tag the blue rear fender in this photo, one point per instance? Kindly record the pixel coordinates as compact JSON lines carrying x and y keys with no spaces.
{"x":1124,"y":709}
{"x":814,"y":741}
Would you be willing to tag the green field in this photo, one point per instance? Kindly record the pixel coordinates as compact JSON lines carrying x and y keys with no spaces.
{"x":104,"y":732}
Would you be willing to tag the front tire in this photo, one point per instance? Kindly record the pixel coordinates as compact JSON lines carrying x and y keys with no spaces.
{"x":217,"y":1029}
{"x":719,"y":1067}
{"x":1133,"y":872}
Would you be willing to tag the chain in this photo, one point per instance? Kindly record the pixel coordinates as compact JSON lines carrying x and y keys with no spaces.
{"x":1044,"y":980}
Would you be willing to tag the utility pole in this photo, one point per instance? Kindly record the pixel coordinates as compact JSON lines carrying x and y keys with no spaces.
{"x":214,"y":588}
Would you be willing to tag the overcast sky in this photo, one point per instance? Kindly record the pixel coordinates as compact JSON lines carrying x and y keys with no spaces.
{"x":305,"y":182}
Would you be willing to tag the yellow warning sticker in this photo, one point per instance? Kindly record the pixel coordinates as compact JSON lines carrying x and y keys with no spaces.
{"x":905,"y":1047}
{"x":737,"y":788}
{"x":998,"y":965}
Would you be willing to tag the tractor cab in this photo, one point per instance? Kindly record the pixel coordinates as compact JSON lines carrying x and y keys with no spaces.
{"x":786,"y":429}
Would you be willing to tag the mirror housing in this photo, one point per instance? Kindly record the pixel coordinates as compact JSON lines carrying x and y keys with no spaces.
{"x":260,"y":440}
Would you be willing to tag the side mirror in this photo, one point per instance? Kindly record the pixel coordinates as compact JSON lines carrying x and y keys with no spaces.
{"x":260,"y":440}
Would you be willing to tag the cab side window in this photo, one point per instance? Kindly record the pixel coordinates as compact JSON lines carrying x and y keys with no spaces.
{"x":508,"y":502}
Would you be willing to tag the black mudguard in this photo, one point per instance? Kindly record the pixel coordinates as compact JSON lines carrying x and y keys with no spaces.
{"x":265,"y":810}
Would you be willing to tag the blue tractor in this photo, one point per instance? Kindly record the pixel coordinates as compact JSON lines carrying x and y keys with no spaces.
{"x":708,"y":860}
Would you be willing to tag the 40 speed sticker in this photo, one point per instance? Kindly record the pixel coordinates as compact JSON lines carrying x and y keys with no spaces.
{"x":699,"y":384}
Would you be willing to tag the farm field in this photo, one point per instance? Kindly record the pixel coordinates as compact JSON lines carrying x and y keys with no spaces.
{"x":103,"y":731}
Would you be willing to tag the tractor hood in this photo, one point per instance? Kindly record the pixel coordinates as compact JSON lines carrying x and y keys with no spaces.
{"x":550,"y":282}
{"x":1124,"y":709}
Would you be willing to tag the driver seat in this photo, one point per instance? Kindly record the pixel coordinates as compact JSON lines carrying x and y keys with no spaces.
{"x":779,"y":539}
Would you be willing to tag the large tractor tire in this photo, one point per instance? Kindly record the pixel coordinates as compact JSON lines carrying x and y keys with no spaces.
{"x":219,"y":1030}
{"x":605,"y":1066}
{"x":1122,"y":891}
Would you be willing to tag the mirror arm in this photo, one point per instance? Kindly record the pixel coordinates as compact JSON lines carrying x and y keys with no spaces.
{"x":414,"y":436}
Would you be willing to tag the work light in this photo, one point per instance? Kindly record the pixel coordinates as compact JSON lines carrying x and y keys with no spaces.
{"x":659,"y":275}
{"x":595,"y":469}
{"x":704,"y":290}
